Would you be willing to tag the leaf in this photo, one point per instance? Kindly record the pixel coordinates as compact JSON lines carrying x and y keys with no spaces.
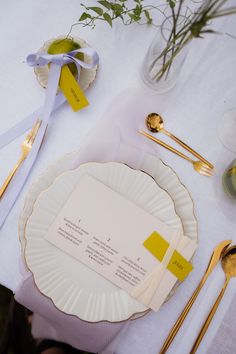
{"x":209,"y":31}
{"x":117,"y":8}
{"x":171,"y":3}
{"x":84,"y":16}
{"x":96,"y":9}
{"x":107,"y":18}
{"x":105,"y":4}
{"x":148,"y":17}
{"x":134,"y":17}
{"x":138,"y":10}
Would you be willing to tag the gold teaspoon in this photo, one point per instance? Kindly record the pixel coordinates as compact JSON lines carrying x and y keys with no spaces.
{"x":155,"y":124}
{"x":228,"y":264}
{"x":216,"y":255}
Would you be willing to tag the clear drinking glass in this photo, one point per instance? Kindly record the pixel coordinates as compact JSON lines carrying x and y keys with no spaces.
{"x":227,"y":192}
{"x":229,"y":180}
{"x":225,"y":182}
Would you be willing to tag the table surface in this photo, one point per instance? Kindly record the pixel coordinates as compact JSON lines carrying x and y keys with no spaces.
{"x":192,"y":109}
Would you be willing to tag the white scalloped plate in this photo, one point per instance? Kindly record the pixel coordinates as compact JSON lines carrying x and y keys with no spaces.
{"x":87,"y":76}
{"x":73,"y":287}
{"x":164,"y":176}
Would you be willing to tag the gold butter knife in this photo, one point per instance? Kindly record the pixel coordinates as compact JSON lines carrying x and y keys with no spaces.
{"x":216,"y":256}
{"x":228,"y":263}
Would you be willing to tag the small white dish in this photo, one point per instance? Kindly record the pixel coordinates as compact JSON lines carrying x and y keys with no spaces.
{"x":87,"y":76}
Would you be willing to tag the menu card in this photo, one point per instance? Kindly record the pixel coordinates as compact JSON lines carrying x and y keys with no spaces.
{"x":106,"y":232}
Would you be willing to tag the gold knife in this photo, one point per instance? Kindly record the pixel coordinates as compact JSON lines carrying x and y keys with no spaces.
{"x":216,"y":256}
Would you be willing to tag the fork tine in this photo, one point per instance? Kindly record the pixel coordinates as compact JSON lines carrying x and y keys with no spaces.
{"x":34,"y":131}
{"x":36,"y":127}
{"x":209,"y":173}
{"x":208,"y":170}
{"x":29,"y":136}
{"x":205,"y":173}
{"x":202,"y":169}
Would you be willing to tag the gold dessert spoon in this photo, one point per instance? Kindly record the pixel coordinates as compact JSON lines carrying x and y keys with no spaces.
{"x":216,"y":255}
{"x":155,"y":124}
{"x":228,"y":264}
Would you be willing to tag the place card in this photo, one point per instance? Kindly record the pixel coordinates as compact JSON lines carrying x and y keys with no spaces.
{"x":105,"y":231}
{"x":71,"y":90}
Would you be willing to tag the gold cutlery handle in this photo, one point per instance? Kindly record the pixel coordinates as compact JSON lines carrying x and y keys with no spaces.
{"x":216,"y":255}
{"x":209,"y":318}
{"x":188,"y":148}
{"x":168,"y":147}
{"x":181,"y":318}
{"x":10,"y":176}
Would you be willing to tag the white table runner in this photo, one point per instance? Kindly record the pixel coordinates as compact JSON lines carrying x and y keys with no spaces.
{"x":146,"y":334}
{"x":192,"y":110}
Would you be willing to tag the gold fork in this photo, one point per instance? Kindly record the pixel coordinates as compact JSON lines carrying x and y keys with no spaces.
{"x":25,"y":148}
{"x":199,"y":166}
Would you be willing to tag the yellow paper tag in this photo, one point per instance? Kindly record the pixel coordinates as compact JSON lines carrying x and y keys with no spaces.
{"x":177,"y":265}
{"x":71,"y":90}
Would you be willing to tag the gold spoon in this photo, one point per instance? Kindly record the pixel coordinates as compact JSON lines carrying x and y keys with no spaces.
{"x":215,"y":257}
{"x":155,"y":124}
{"x":228,"y":264}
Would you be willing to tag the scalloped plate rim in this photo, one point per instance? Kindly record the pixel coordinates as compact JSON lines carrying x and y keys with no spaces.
{"x":65,"y":159}
{"x":64,"y":176}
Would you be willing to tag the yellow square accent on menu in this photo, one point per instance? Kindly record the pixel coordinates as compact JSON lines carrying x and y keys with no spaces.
{"x":157,"y":245}
{"x":71,"y":89}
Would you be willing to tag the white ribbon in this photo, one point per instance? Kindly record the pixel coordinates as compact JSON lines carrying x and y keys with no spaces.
{"x":52,"y":102}
{"x":42,"y":58}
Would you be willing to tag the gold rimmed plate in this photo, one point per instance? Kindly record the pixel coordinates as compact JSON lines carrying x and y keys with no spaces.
{"x":73,"y":287}
{"x":163,"y":172}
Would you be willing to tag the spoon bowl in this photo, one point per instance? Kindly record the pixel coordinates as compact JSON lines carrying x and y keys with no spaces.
{"x":228,"y":262}
{"x":154,"y":122}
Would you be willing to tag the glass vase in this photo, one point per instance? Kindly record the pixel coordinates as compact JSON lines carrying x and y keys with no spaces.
{"x":165,"y":57}
{"x":229,"y":180}
{"x":227,"y":129}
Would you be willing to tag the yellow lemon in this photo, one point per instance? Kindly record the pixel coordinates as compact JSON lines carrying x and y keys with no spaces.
{"x":63,"y":46}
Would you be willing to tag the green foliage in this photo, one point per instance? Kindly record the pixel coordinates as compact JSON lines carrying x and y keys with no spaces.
{"x":171,"y":3}
{"x":109,"y":11}
{"x":195,"y":25}
{"x":107,"y":18}
{"x":140,"y":11}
